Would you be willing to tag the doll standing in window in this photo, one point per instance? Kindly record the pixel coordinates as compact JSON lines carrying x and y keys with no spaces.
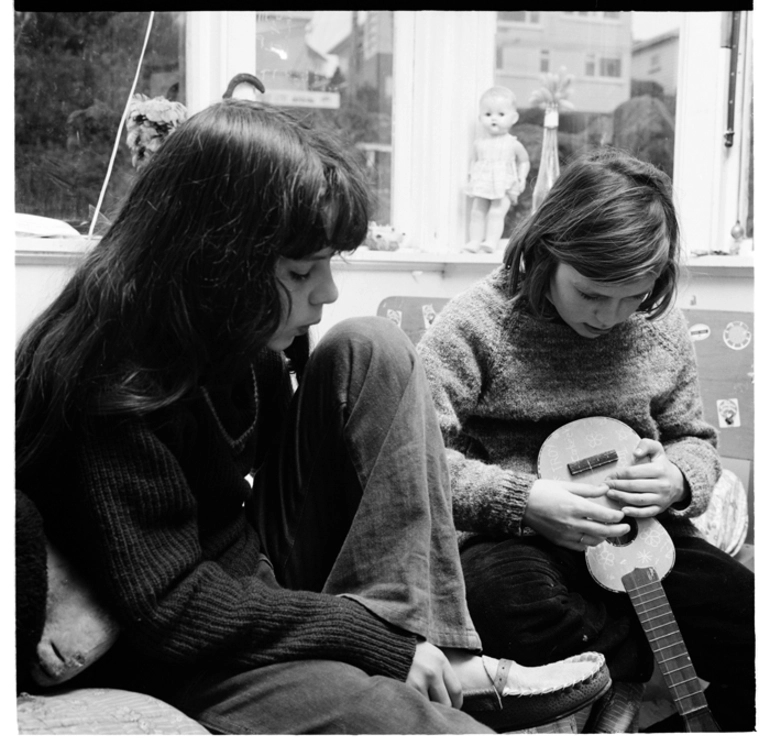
{"x":498,"y":172}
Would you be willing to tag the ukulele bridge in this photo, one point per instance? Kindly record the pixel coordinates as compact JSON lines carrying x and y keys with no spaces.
{"x":592,"y":462}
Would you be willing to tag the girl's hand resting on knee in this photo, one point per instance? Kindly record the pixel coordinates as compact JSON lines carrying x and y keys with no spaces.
{"x":560,"y":512}
{"x":432,"y":675}
{"x":649,"y":488}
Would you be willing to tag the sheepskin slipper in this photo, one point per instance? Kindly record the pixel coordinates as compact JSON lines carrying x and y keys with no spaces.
{"x":522,"y":703}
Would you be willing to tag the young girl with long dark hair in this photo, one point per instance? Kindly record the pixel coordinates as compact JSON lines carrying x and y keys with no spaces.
{"x":578,"y":323}
{"x":328,"y":598}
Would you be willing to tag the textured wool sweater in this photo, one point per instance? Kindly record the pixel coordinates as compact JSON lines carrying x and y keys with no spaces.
{"x":156,"y":511}
{"x":503,"y":380}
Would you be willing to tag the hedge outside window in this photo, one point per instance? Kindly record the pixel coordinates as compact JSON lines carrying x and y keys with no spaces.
{"x":73,"y":75}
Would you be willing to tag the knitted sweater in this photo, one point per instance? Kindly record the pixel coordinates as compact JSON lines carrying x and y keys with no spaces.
{"x":503,"y":380}
{"x":155,"y":511}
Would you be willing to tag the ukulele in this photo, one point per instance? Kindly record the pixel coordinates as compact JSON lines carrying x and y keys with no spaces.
{"x":588,"y":450}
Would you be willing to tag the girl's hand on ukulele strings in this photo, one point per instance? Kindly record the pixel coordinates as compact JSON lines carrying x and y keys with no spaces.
{"x":560,"y":512}
{"x":646,"y":489}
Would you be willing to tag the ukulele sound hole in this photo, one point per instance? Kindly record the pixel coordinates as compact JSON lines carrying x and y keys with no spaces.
{"x":628,"y":537}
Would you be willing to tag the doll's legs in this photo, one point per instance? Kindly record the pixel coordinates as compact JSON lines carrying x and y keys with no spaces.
{"x":359,"y":501}
{"x":477,"y":224}
{"x":498,"y":209}
{"x":486,"y":224}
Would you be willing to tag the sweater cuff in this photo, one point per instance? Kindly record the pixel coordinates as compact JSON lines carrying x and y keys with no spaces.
{"x":389,"y":651}
{"x":511,"y":501}
{"x":699,"y":488}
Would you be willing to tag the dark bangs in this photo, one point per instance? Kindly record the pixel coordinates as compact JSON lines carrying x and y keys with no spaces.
{"x":625,"y":249}
{"x":611,"y":218}
{"x":332,"y":202}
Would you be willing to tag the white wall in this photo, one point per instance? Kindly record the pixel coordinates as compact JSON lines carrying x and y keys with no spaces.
{"x":715,"y":283}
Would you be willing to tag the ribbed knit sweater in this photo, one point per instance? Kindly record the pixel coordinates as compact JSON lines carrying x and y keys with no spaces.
{"x":154,"y":509}
{"x":503,"y":380}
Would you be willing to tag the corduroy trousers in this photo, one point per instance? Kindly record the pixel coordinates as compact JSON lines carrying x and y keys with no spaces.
{"x":536,"y":602}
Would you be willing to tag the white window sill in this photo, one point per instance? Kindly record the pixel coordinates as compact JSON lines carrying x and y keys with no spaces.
{"x":33,"y":250}
{"x":412,"y":260}
{"x":54,"y":250}
{"x":721,"y":265}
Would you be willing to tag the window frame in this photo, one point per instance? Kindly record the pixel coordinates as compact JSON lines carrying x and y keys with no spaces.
{"x":709,"y":178}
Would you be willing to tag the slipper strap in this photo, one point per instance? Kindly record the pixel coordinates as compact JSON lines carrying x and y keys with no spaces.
{"x":501,"y":676}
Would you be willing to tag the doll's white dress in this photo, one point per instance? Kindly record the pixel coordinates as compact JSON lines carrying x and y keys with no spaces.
{"x":493,"y":172}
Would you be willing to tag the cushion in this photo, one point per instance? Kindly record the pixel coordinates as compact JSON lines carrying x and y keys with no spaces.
{"x":726,"y":522}
{"x":78,"y":629}
{"x":101,"y":712}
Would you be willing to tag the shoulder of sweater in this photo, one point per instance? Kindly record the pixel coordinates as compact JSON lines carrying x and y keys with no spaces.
{"x":486,"y":298}
{"x":669,"y":330}
{"x":475,"y":315}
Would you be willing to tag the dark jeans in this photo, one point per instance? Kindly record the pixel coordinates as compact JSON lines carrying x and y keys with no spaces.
{"x":355,"y":502}
{"x":535,"y":602}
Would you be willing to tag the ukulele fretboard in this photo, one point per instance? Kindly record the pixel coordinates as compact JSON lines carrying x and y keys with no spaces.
{"x":649,"y":599}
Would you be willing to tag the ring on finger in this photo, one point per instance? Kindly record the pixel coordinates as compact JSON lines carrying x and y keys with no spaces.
{"x":582,"y":536}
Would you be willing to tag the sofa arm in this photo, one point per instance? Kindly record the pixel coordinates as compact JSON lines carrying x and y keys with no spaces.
{"x":101,"y":712}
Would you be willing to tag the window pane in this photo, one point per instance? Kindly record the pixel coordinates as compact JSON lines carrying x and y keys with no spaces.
{"x":74,"y":72}
{"x":622,"y":68}
{"x":336,"y":67}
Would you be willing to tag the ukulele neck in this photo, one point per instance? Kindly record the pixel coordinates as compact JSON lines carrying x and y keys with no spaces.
{"x":649,"y":599}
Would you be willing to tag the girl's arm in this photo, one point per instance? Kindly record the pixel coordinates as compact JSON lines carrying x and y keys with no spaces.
{"x":458,"y":357}
{"x":182,"y":601}
{"x":689,"y":441}
{"x":685,"y":463}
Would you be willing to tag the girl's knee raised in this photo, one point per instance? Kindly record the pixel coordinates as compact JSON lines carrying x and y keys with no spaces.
{"x":373,"y":338}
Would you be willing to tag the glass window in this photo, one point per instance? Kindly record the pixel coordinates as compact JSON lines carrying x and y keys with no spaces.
{"x":601,"y":64}
{"x":74,"y":72}
{"x":73,"y":75}
{"x":609,"y":67}
{"x":336,"y":68}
